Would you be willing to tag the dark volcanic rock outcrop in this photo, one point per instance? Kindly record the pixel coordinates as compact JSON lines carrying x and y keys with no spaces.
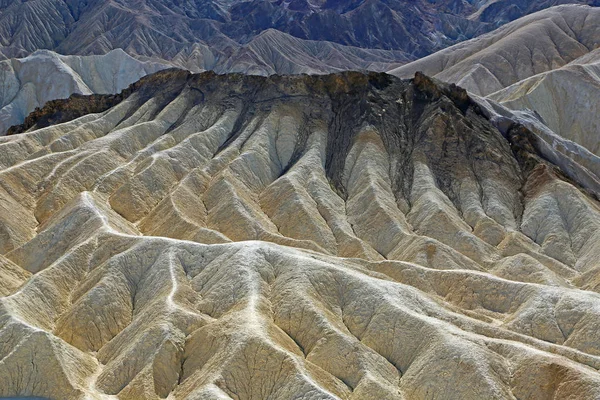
{"x":78,"y":105}
{"x":542,"y":70}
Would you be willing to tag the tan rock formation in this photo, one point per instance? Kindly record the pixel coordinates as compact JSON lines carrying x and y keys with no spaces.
{"x":344,"y":236}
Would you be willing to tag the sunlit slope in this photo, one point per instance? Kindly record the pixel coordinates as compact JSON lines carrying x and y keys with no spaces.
{"x":343,"y":236}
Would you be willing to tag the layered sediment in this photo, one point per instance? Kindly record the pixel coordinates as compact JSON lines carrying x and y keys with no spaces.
{"x":344,"y":236}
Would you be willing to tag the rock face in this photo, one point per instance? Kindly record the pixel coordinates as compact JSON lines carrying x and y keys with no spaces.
{"x":348,"y":236}
{"x":542,"y":70}
{"x":30,"y":82}
{"x":199,"y":35}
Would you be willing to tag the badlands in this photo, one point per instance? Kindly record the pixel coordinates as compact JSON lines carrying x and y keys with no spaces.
{"x":28,"y":83}
{"x":542,"y":70}
{"x":345,"y":236}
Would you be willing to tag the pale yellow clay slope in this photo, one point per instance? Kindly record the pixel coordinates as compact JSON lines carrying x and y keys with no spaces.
{"x":336,"y":237}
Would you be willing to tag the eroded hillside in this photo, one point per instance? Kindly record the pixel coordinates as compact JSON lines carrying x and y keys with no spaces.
{"x":532,"y":45}
{"x":344,"y":236}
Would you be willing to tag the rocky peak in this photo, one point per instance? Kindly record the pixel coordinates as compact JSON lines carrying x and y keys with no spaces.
{"x":400,"y":111}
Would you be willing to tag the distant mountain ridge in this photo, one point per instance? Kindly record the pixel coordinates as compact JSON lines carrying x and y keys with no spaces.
{"x":198,"y":34}
{"x":231,"y":37}
{"x":534,"y":44}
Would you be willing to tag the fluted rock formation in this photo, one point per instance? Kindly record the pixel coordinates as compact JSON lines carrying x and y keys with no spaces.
{"x":274,"y":52}
{"x":344,"y":236}
{"x":542,"y":71}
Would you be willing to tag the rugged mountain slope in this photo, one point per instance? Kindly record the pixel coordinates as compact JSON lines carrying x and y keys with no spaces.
{"x":340,"y":236}
{"x":30,"y":82}
{"x":198,"y":34}
{"x":544,"y":69}
{"x":567,"y":99}
{"x":274,"y":52}
{"x":538,"y":43}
